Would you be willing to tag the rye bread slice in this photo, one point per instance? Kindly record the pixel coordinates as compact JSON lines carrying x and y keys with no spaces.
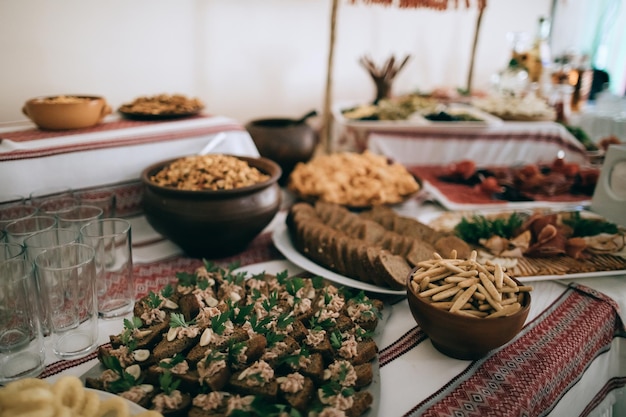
{"x":446,"y":244}
{"x":361,"y":254}
{"x":302,"y":398}
{"x":371,"y":254}
{"x":419,"y":251}
{"x":337,"y":251}
{"x":414,"y":228}
{"x":393,"y":269}
{"x":362,"y":400}
{"x":371,"y":232}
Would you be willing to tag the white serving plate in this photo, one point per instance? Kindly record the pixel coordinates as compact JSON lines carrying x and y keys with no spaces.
{"x":133,"y":408}
{"x":587,"y":214}
{"x":486,"y":119}
{"x":417,"y":120}
{"x":442,"y":198}
{"x":283,"y":243}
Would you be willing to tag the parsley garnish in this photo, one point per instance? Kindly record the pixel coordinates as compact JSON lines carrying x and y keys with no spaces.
{"x":239,"y":315}
{"x":273,"y":338}
{"x":125,"y":381}
{"x":214,"y":356}
{"x":234,"y":350}
{"x":589,"y":227}
{"x":178,"y":320}
{"x":167,"y":291}
{"x":294,"y":285}
{"x":270,"y":301}
{"x":153,"y":300}
{"x":186,"y":279}
{"x":281,"y":277}
{"x":167,"y":382}
{"x":318,"y":282}
{"x":260,"y":326}
{"x":218,"y":322}
{"x":336,"y":340}
{"x":480,"y":227}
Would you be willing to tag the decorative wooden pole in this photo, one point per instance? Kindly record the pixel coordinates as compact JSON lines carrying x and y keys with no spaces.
{"x":470,"y":73}
{"x":326,"y":132}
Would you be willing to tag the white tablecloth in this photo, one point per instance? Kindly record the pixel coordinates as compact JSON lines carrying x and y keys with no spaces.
{"x":503,"y":143}
{"x":114,"y":152}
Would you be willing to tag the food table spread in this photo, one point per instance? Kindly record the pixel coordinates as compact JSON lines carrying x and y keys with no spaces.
{"x":566,"y":361}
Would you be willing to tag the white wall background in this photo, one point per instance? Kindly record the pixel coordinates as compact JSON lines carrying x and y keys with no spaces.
{"x":244,"y":58}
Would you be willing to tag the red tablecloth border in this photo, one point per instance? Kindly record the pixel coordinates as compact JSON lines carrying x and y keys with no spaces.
{"x":38,"y":134}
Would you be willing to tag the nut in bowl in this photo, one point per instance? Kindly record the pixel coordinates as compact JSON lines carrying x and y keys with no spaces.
{"x":467,"y":308}
{"x":66,"y":111}
{"x":211,"y":205}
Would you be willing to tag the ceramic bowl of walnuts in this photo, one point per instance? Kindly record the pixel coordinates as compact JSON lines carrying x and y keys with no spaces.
{"x":212,"y":205}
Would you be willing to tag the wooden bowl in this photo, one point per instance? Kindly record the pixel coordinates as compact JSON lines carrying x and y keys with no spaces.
{"x":212,"y":224}
{"x":462,"y":337}
{"x":66,"y":112}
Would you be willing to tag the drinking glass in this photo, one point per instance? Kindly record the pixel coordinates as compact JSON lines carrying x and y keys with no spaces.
{"x":35,"y":244}
{"x":78,"y":216}
{"x":10,"y":251}
{"x":22,"y":352}
{"x":36,"y":197}
{"x":67,"y":277}
{"x":105,"y":199}
{"x":111,"y":239}
{"x":58,"y":206}
{"x":19,"y":230}
{"x":11,"y":213}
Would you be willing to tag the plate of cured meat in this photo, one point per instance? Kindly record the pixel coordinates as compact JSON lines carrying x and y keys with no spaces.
{"x":464,"y":186}
{"x":540,"y":244}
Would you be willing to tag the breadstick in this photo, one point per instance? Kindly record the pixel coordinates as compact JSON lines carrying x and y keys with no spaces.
{"x":442,"y":295}
{"x":498,"y":276}
{"x":488,"y":297}
{"x":453,"y":267}
{"x":429,"y":273}
{"x":468,"y":282}
{"x":435,"y":290}
{"x":506,"y":311}
{"x":490,"y":287}
{"x":460,"y":302}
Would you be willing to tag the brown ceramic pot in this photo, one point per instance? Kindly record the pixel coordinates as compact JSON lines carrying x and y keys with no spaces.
{"x":462,"y":337}
{"x":212,"y":224}
{"x":49,"y":114}
{"x":285,"y":141}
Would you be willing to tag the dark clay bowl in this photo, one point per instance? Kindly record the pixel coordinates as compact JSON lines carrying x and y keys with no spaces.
{"x":285,"y":141}
{"x":212,"y":224}
{"x":462,"y":337}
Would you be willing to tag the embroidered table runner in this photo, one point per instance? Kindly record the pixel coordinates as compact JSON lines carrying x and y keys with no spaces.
{"x":528,"y":376}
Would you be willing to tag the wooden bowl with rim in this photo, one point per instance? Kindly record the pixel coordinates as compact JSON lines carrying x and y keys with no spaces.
{"x":66,"y":112}
{"x":460,"y":336}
